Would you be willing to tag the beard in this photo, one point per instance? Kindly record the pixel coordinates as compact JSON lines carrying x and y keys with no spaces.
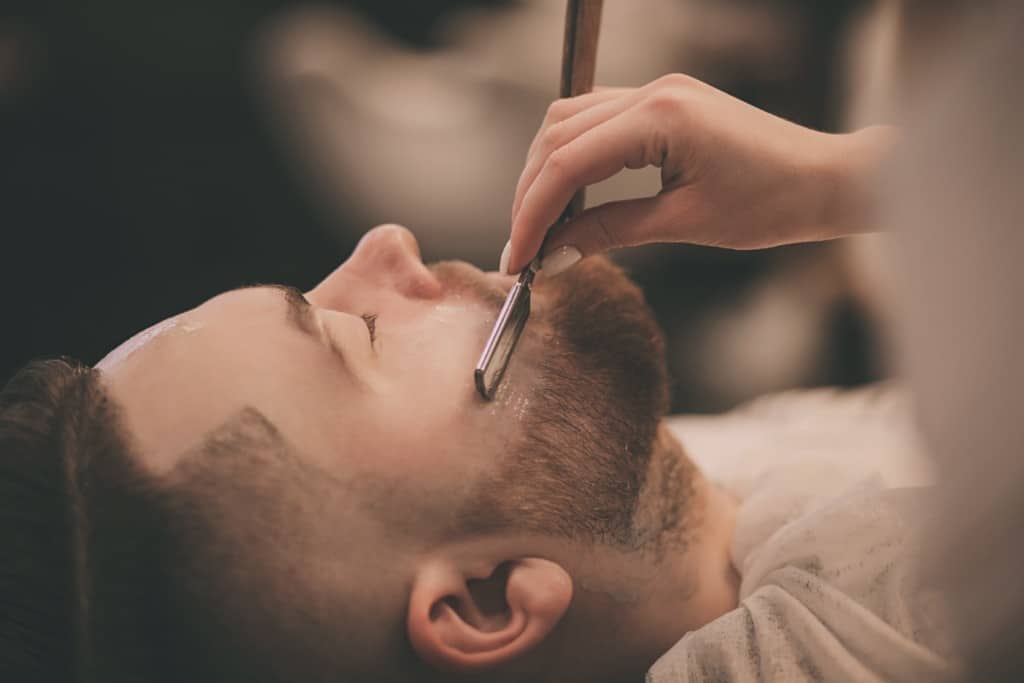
{"x":591,"y":373}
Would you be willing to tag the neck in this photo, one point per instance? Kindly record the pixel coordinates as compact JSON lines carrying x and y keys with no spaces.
{"x":694,"y":581}
{"x":642,"y":602}
{"x":718,"y":581}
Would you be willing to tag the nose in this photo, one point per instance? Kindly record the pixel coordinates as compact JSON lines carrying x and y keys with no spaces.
{"x":387,"y":257}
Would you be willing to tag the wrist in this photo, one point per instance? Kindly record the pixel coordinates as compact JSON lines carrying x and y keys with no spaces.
{"x":853,"y":162}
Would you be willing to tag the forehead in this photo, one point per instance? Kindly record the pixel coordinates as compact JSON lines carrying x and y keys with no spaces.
{"x":185,"y":324}
{"x":181,"y":378}
{"x":186,"y":376}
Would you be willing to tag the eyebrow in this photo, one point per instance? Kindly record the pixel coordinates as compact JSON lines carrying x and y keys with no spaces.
{"x":299,"y":313}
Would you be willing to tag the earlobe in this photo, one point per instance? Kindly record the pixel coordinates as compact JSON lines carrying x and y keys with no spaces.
{"x":461,"y":622}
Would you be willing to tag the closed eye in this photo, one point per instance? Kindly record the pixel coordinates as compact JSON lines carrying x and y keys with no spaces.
{"x":371,"y":325}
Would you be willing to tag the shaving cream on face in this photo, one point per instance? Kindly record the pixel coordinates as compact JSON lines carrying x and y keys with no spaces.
{"x":120,"y":354}
{"x":445,"y":313}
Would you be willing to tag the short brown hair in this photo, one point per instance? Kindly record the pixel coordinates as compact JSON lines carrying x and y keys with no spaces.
{"x":111,"y":574}
{"x":81,"y":599}
{"x":37,"y":592}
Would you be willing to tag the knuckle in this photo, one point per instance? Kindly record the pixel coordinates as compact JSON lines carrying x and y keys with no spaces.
{"x":676,"y":81}
{"x":665,"y":103}
{"x":551,"y":138}
{"x":559,"y":163}
{"x":558,"y":111}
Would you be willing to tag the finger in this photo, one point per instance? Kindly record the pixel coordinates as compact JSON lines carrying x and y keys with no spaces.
{"x":559,"y":112}
{"x":625,"y":141}
{"x":624,"y":223}
{"x":567,"y":107}
{"x":561,"y":133}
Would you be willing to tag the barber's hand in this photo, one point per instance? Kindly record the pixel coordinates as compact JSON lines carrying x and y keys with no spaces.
{"x":732,"y":175}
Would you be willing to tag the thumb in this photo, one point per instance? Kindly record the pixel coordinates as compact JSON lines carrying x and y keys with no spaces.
{"x":625,"y":223}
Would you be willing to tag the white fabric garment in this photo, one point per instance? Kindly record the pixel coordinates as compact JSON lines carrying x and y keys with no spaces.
{"x":830,"y":486}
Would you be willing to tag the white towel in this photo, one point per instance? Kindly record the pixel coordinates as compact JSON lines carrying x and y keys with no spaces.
{"x":830,"y":485}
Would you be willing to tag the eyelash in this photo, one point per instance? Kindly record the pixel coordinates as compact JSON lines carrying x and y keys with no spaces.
{"x":371,"y":325}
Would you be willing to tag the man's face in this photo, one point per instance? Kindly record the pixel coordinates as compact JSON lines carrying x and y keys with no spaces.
{"x":371,"y":369}
{"x":369,"y":378}
{"x":368,"y":381}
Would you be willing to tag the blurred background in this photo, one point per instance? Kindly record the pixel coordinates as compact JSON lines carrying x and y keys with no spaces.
{"x":154,"y":154}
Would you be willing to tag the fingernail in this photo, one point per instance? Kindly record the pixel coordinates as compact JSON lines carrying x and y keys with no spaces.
{"x":559,"y":260}
{"x":503,"y":264}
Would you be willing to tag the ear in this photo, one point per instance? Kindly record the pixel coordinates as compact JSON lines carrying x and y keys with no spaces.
{"x":470,"y":621}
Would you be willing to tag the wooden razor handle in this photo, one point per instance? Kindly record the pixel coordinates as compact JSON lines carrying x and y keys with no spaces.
{"x":579,"y":59}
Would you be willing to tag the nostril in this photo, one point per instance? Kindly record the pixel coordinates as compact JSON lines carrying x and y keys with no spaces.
{"x":423,"y":285}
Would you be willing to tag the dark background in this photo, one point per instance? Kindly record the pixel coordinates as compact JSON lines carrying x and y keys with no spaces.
{"x":139,"y":175}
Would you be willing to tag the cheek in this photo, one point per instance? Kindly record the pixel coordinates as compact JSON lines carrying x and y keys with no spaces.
{"x":433,"y":431}
{"x":435,"y":374}
{"x":292,"y":382}
{"x":445,"y":339}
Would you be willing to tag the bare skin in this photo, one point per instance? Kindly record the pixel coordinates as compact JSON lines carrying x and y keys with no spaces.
{"x":732,"y":175}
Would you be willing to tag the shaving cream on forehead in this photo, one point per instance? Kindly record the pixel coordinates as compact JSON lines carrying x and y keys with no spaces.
{"x":120,"y":354}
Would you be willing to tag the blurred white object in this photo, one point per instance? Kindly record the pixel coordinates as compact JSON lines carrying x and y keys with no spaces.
{"x":954,"y":195}
{"x":871,"y":57}
{"x":436,"y":140}
{"x":950,"y":74}
{"x":386,"y":135}
{"x":825,"y":543}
